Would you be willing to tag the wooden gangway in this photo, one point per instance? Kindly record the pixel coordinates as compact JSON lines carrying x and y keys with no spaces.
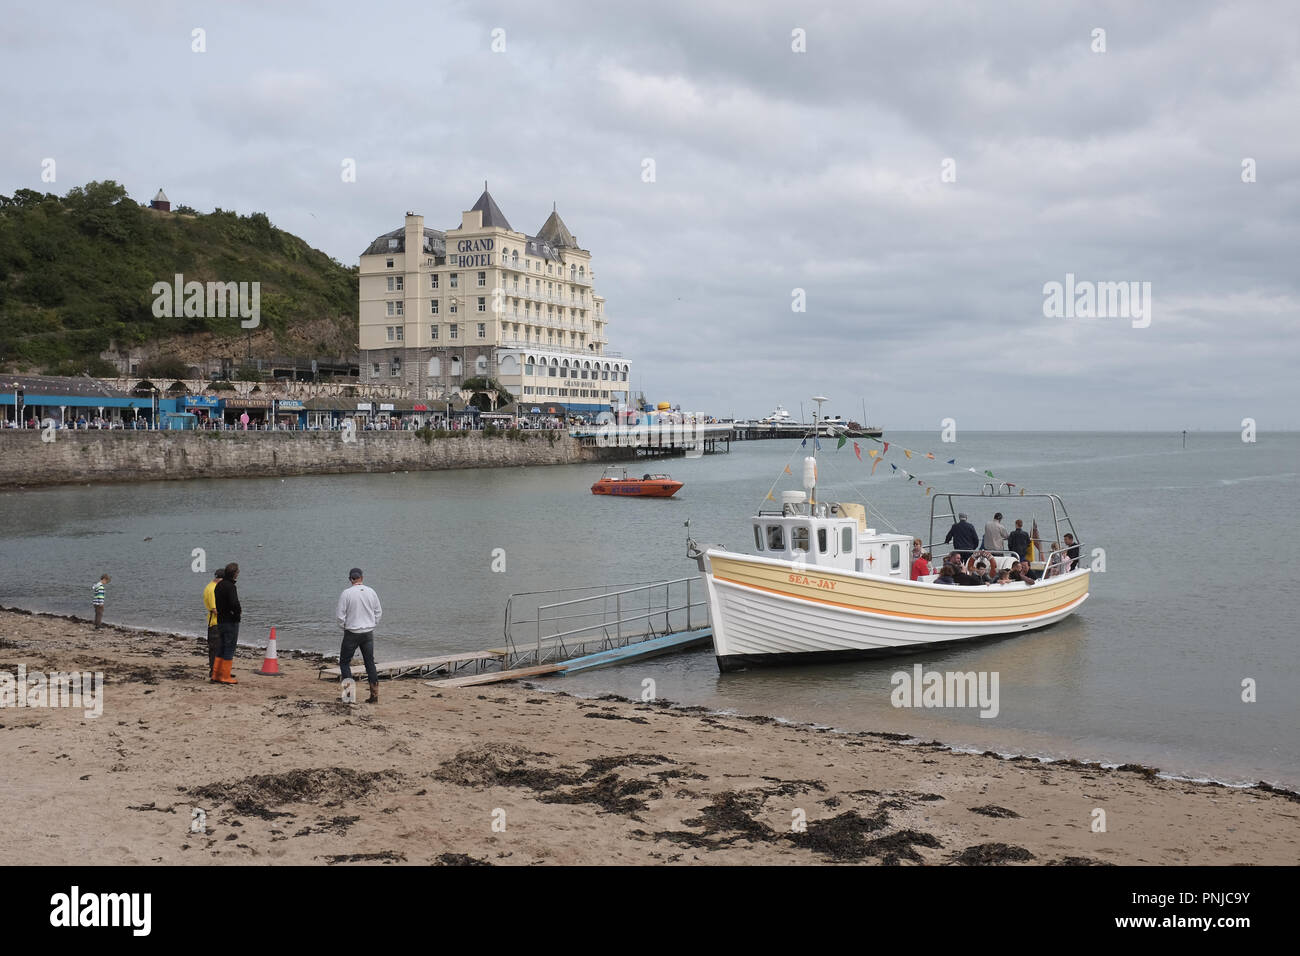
{"x":566,"y":630}
{"x":421,"y":666}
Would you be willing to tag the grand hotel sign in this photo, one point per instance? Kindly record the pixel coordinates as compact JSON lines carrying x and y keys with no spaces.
{"x":471,"y":253}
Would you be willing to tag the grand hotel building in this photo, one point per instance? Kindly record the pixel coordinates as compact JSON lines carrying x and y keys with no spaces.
{"x":483,"y":300}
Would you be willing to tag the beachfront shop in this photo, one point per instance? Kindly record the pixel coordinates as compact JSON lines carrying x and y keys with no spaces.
{"x":290,"y":413}
{"x":77,"y":402}
{"x":206,"y":409}
{"x":246,"y":412}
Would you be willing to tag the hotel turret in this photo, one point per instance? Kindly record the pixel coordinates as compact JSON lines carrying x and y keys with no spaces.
{"x":483,"y":300}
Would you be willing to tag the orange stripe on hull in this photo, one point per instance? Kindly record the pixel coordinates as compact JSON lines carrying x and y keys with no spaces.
{"x":922,"y":617}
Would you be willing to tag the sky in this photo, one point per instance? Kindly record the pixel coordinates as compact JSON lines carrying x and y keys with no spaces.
{"x":865,"y":200}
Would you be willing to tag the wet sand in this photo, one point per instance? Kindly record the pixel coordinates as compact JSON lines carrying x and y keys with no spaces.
{"x":514,"y":774}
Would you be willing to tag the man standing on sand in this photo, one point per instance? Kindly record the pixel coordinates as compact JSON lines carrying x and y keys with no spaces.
{"x":97,"y":599}
{"x":358,"y":613}
{"x":210,"y":602}
{"x":228,"y":615}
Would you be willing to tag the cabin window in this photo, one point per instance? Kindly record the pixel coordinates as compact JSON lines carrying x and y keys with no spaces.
{"x":846,"y":540}
{"x":821,"y":540}
{"x":895,"y":557}
{"x":775,"y":538}
{"x":799,"y":538}
{"x":758,"y":537}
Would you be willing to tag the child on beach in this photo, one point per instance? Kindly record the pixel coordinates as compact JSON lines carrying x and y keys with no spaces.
{"x":97,"y":599}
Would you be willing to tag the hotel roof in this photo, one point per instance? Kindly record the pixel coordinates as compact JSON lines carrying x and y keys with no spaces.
{"x":493,"y":217}
{"x":435,"y":243}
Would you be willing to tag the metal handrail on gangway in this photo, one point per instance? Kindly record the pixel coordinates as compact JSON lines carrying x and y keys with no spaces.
{"x":615,"y":616}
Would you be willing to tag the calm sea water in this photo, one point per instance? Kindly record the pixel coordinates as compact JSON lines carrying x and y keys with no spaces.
{"x":1201,"y":590}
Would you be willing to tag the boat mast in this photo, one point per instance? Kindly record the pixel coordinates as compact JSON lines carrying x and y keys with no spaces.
{"x":817,"y":414}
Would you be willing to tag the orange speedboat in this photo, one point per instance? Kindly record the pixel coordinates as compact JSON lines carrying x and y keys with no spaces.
{"x":647,"y":486}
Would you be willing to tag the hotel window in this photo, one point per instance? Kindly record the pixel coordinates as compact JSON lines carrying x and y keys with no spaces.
{"x":454,"y":280}
{"x":550,"y":336}
{"x":391,"y":287}
{"x":433,"y":307}
{"x":482,"y":280}
{"x":552,"y":371}
{"x":452,"y":307}
{"x":482,"y":303}
{"x":392,"y":243}
{"x":550,"y":391}
{"x":388,"y":263}
{"x":516,"y":284}
{"x":374,"y":370}
{"x":548,"y":270}
{"x":455,"y":366}
{"x":604,"y":374}
{"x":584,"y":374}
{"x":390,"y":307}
{"x":389,"y":330}
{"x":433,"y":332}
{"x":529,"y":368}
{"x":480,"y":365}
{"x":401,"y":307}
{"x":433,"y":281}
{"x":482,"y":330}
{"x":395,"y":367}
{"x":573,"y":372}
{"x":625,"y":376}
{"x":453,"y":331}
{"x":399,"y":331}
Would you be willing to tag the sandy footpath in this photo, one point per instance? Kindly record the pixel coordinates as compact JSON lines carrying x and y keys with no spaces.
{"x":508,"y":774}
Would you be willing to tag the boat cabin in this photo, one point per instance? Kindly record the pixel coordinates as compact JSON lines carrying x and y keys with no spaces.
{"x":830,"y":535}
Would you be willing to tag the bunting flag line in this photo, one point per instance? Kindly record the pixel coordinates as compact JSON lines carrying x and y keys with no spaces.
{"x":857,"y":450}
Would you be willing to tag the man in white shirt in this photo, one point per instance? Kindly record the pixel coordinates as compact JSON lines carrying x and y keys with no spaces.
{"x":995,"y":534}
{"x":358,"y":613}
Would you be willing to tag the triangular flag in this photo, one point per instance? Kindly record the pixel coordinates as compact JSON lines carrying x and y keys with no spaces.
{"x":857,"y":450}
{"x":886,"y":444}
{"x":952,"y":461}
{"x":928,"y":489}
{"x":893,"y":466}
{"x":908,"y":453}
{"x":842,"y":442}
{"x":930,"y":455}
{"x":972,"y":471}
{"x":1022,"y":492}
{"x":788,"y":471}
{"x":872,"y":452}
{"x":920,"y":482}
{"x":769,"y":497}
{"x":817,"y":443}
{"x":874,"y":464}
{"x":804,"y":443}
{"x":989,"y":473}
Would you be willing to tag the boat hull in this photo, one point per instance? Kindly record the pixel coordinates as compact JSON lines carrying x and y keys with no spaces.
{"x":769,"y":612}
{"x":636,"y":488}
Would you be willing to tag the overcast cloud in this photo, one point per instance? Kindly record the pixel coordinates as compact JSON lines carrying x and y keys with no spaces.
{"x":775,"y":170}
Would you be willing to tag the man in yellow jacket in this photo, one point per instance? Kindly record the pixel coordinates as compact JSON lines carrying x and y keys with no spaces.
{"x":210,"y":602}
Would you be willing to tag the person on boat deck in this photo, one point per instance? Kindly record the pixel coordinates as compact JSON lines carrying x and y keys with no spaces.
{"x":980,"y":567}
{"x":921,"y":566}
{"x":1020,"y":572}
{"x":1004,"y":577}
{"x":963,"y":536}
{"x":1058,"y":562}
{"x":916,"y":548}
{"x":964,"y":577}
{"x":945,"y":575}
{"x":1072,"y":551}
{"x":995,"y":535}
{"x":1018,"y":540}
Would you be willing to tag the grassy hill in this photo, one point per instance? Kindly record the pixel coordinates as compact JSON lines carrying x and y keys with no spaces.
{"x":77,"y":272}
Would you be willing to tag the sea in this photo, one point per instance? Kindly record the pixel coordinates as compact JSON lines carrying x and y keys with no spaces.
{"x":1183,"y":658}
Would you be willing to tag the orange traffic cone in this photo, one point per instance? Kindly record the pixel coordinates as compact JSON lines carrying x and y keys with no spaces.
{"x":270,"y":663}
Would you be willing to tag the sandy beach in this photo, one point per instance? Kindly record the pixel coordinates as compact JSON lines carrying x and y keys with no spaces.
{"x":511,"y":774}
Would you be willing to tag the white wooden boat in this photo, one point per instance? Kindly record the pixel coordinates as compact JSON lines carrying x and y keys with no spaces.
{"x":821,"y":585}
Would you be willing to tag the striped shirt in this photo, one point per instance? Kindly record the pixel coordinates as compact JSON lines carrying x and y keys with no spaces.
{"x":98,"y":591}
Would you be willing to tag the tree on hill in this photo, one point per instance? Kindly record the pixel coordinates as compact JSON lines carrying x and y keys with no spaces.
{"x":77,"y":275}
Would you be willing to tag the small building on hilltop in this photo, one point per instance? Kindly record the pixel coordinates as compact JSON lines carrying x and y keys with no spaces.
{"x":161,"y":201}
